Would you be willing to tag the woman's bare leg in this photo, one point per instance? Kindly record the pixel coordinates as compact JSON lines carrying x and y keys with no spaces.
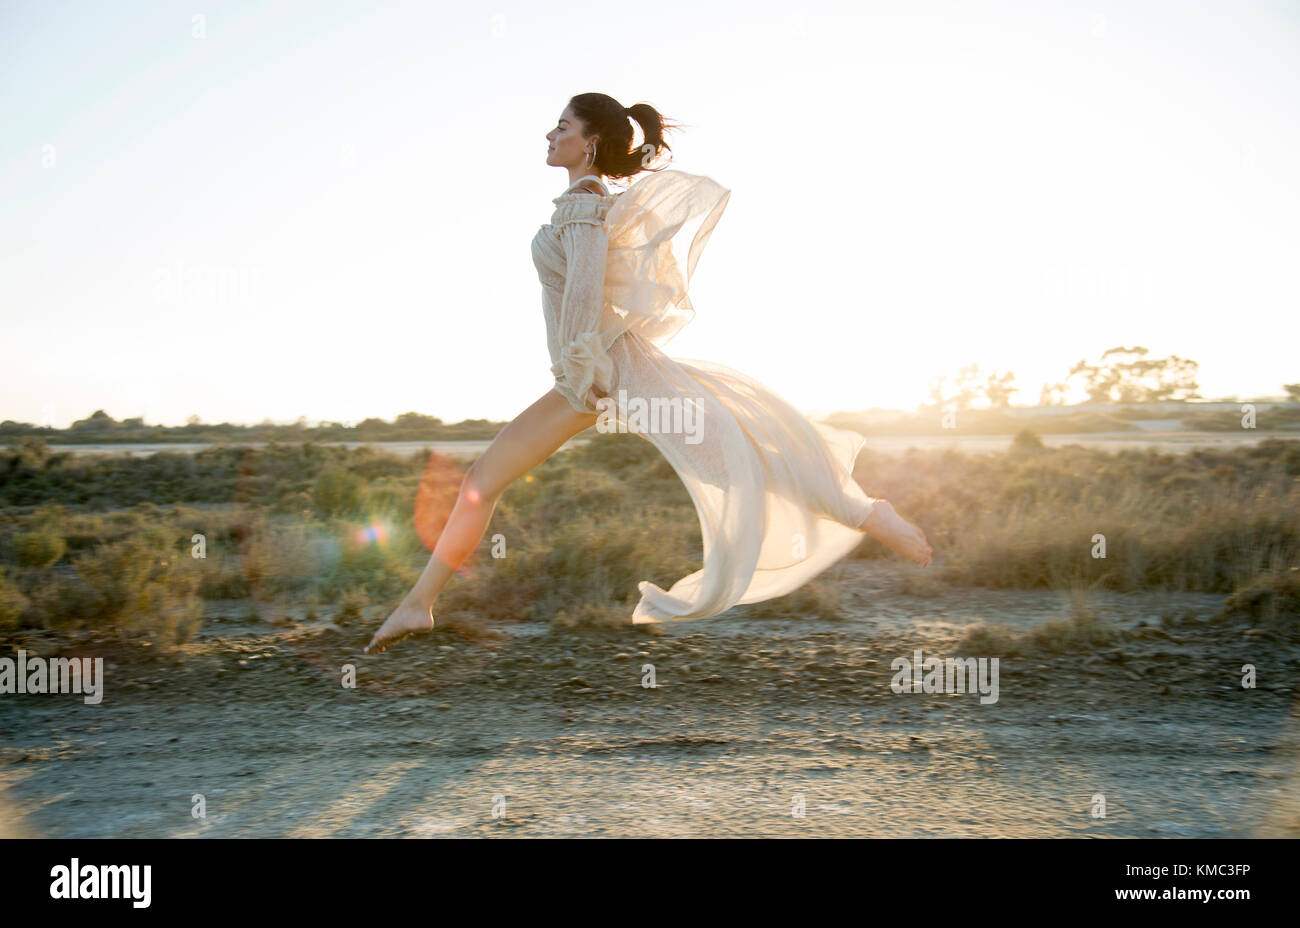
{"x":884,"y":524}
{"x":532,"y":437}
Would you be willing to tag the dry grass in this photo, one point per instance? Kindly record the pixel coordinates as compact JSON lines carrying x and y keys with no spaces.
{"x":1204,"y":521}
{"x":336,"y":529}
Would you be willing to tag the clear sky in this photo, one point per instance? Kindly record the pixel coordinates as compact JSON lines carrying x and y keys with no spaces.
{"x":324,"y":209}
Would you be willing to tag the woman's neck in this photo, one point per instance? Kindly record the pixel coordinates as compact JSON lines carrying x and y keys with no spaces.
{"x":576,"y":175}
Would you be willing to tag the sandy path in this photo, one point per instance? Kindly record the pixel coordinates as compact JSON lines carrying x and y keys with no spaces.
{"x":748,"y":717}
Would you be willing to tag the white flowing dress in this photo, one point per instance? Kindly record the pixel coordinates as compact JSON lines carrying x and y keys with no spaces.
{"x":774,"y":491}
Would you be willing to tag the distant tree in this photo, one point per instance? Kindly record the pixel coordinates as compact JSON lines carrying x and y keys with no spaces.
{"x":998,"y":390}
{"x":967,"y":386}
{"x":1098,"y":382}
{"x":193,"y":420}
{"x":417,"y":420}
{"x":98,"y":421}
{"x":1052,"y":394}
{"x":1126,"y":375}
{"x":1171,"y":378}
{"x":372,"y":426}
{"x":1292,"y":391}
{"x":936,"y":392}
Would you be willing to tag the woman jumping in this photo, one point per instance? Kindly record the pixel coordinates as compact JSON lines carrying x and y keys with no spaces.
{"x":774,"y":491}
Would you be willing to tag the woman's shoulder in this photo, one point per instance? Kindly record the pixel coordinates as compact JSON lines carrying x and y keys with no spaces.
{"x":581,"y":207}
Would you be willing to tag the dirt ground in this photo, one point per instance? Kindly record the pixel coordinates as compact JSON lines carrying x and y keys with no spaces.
{"x":549,"y":731}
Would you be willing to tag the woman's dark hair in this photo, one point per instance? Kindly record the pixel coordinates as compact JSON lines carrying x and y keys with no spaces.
{"x":605,"y":117}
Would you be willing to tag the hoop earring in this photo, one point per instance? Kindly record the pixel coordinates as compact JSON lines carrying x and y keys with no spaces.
{"x":591,"y":155}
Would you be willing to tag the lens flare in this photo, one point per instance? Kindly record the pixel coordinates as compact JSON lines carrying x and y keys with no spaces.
{"x":435,"y":497}
{"x":376,"y":533}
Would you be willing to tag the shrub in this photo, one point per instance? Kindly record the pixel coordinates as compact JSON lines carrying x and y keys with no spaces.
{"x":283,"y":555}
{"x":1081,"y":631}
{"x":351,"y":602}
{"x":819,"y":598}
{"x":991,"y":641}
{"x":379,"y":570}
{"x":12,"y":602}
{"x":1272,"y":596}
{"x":141,"y":582}
{"x":1027,"y":440}
{"x":336,"y":491}
{"x":39,"y":549}
{"x":1078,"y":633}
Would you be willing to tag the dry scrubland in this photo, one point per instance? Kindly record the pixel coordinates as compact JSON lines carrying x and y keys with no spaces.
{"x":1120,"y":676}
{"x":101,"y":547}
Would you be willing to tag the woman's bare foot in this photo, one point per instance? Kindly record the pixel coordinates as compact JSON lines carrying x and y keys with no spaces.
{"x":888,"y":527}
{"x":405,"y":620}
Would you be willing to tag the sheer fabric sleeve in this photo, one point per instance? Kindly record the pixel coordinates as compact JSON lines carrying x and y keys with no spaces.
{"x":657,"y":232}
{"x":584,"y":361}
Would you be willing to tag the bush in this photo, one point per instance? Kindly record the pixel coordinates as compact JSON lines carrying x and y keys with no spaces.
{"x":141,"y":582}
{"x":1068,"y":636}
{"x":12,"y":602}
{"x":1272,"y":596}
{"x":282,"y":555}
{"x":365,"y":565}
{"x":998,"y":641}
{"x":39,"y":549}
{"x":1027,"y":440}
{"x":336,"y":491}
{"x":1082,"y":631}
{"x":819,"y":598}
{"x":351,"y":602}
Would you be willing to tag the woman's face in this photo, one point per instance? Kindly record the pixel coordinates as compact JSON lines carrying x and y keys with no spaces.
{"x":568,"y":147}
